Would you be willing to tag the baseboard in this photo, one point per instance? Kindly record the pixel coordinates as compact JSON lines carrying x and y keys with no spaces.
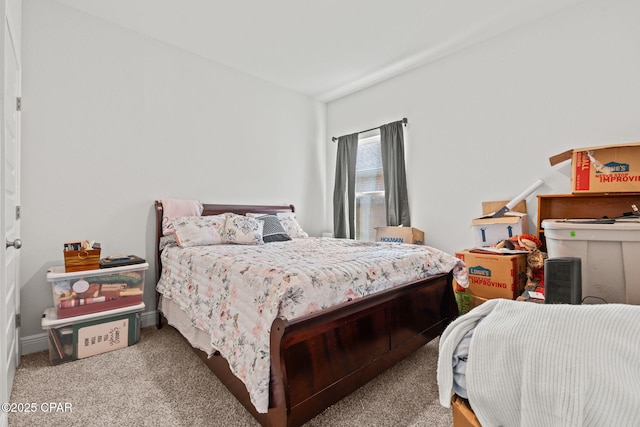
{"x":39,"y":342}
{"x":148,"y":318}
{"x":34,"y":343}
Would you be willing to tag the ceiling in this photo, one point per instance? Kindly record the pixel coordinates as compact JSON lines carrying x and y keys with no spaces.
{"x":325,"y":49}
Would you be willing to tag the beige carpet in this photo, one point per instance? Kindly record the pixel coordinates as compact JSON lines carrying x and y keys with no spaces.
{"x":161,"y":382}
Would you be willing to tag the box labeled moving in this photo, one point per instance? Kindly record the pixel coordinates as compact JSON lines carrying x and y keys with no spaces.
{"x":494,"y":275}
{"x":603,"y":169}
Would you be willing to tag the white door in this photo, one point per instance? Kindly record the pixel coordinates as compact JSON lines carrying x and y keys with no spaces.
{"x":10,"y":198}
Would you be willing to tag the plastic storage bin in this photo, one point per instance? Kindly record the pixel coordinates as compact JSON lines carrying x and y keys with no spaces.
{"x":92,"y":291}
{"x":610,"y":255}
{"x":78,"y":337}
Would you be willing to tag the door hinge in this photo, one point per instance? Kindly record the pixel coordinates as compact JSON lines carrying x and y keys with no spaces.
{"x":19,"y":103}
{"x":18,"y":320}
{"x":17,"y":212}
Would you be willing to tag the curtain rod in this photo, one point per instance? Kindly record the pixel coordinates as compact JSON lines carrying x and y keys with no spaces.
{"x":404,"y":122}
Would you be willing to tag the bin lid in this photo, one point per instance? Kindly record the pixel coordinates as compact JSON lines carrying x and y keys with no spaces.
{"x":59,"y":272}
{"x":617,"y":224}
{"x":50,"y":318}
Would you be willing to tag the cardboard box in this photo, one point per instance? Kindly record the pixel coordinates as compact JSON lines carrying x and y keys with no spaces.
{"x":494,"y":275}
{"x":400,"y":234}
{"x":79,"y":337}
{"x":489,"y":231}
{"x":463,"y":415}
{"x":467,"y":302}
{"x":92,"y":291}
{"x":603,"y":169}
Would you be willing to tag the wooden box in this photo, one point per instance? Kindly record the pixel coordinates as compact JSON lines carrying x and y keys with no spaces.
{"x":80,"y":259}
{"x":463,"y":415}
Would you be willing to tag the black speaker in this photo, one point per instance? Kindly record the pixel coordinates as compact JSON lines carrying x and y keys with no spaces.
{"x":563,"y":280}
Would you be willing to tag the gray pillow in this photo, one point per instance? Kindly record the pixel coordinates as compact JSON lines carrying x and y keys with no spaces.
{"x":272,"y":230}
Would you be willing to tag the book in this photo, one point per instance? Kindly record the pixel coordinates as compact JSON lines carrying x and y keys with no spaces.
{"x":56,"y":343}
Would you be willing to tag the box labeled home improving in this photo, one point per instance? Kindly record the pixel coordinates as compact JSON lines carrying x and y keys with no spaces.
{"x":494,"y":275}
{"x":603,"y":169}
{"x":400,"y":235}
{"x":78,"y":337}
{"x":92,"y":291}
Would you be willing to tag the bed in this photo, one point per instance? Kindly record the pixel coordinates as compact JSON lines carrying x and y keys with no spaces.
{"x":514,"y":363}
{"x":317,"y":358}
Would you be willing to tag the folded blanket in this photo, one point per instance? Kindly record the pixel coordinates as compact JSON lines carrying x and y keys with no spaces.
{"x":548,"y":365}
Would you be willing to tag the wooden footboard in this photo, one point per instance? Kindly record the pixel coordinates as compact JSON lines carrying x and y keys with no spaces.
{"x":318,"y":360}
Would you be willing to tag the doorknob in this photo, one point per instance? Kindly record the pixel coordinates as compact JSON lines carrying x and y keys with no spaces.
{"x":16,"y":244}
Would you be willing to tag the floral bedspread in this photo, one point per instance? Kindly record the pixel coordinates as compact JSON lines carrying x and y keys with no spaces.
{"x":235,"y":292}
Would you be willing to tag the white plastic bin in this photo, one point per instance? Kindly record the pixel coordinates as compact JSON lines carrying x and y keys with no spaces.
{"x":610,"y":255}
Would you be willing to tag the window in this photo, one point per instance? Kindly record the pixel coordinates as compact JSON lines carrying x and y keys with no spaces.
{"x":370,"y":207}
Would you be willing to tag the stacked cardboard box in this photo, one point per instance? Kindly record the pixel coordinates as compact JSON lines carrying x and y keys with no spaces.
{"x":603,"y":169}
{"x":489,"y":231}
{"x":491,"y":275}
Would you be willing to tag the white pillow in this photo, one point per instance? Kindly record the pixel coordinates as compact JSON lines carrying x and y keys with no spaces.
{"x":199,"y":230}
{"x":242,"y":230}
{"x":290,"y":225}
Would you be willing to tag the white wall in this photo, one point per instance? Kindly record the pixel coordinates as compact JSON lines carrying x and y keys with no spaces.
{"x":113,"y":120}
{"x":483,"y":122}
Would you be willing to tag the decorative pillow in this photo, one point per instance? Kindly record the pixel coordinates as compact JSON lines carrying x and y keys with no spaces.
{"x":290,"y":225}
{"x":165,"y":241}
{"x":272,"y":230}
{"x":199,"y":230}
{"x":174,"y":208}
{"x":242,"y":230}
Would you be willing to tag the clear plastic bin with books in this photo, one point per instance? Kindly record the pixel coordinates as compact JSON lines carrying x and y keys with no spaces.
{"x":91,"y":291}
{"x":74,"y":338}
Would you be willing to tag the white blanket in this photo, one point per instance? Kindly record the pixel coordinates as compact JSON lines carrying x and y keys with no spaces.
{"x":548,"y":365}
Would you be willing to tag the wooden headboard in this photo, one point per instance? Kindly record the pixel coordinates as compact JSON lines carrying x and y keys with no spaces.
{"x":212,"y":209}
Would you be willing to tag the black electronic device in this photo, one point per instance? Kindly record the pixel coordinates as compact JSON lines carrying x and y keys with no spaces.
{"x":120,"y":260}
{"x":563,"y":280}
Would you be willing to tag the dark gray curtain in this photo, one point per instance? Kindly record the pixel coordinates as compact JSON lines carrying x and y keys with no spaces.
{"x":344,"y":192}
{"x":395,"y":176}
